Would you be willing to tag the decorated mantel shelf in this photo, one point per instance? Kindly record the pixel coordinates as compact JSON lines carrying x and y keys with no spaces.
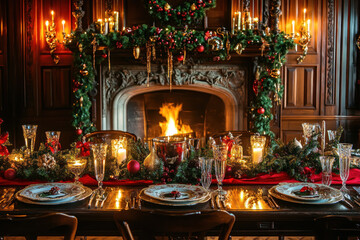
{"x":177,"y":43}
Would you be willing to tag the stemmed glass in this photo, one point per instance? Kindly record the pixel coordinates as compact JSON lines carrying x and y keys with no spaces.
{"x":76,"y":166}
{"x":220,"y":155}
{"x":29,"y":132}
{"x":206,"y":167}
{"x":326,"y":165}
{"x":53,"y":138}
{"x":310,"y":129}
{"x":344,"y":150}
{"x":99,"y":153}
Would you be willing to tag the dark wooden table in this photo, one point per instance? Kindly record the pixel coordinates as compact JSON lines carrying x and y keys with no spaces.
{"x":290,"y":220}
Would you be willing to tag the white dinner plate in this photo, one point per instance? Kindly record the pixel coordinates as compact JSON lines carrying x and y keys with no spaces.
{"x":87,"y":192}
{"x":188,"y":193}
{"x":331,"y":199}
{"x":37,"y":192}
{"x":324,"y":192}
{"x":149,"y":199}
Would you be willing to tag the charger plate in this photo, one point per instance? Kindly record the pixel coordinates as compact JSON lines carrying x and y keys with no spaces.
{"x":149,"y":199}
{"x":87,"y":192}
{"x":332,"y":198}
{"x":188,"y":193}
{"x":37,"y":192}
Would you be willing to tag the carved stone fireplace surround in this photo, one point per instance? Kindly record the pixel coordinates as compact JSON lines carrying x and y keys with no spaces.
{"x":126,"y":81}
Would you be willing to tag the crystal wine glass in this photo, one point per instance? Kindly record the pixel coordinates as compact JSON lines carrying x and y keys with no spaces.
{"x":206,"y":167}
{"x":344,"y":150}
{"x":29,"y":132}
{"x":99,"y":153}
{"x":53,"y":138}
{"x":77,"y":166}
{"x":220,"y":155}
{"x":326,"y":165}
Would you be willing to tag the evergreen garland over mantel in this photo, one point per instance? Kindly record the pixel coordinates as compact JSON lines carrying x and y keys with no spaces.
{"x":171,"y":41}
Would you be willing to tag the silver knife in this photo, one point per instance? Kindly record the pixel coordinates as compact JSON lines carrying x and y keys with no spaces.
{"x":139,"y":203}
{"x":133,"y":203}
{"x":268,"y":201}
{"x":347,"y":203}
{"x":273,"y":201}
{"x":223,"y":203}
{"x":217,"y":201}
{"x":91,"y":198}
{"x":212,"y":204}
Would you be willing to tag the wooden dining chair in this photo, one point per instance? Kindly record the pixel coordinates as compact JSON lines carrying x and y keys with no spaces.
{"x":244,"y":137}
{"x":185,"y":224}
{"x":335,"y":227}
{"x":107,"y":135}
{"x":55,"y":224}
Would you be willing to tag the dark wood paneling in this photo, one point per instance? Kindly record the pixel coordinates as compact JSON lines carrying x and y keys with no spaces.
{"x":56,"y":85}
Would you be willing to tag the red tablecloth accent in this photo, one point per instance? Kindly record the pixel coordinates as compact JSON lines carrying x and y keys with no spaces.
{"x":272,"y":178}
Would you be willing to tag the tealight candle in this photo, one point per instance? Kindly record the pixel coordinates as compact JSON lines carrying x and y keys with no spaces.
{"x":118,"y":147}
{"x":257,"y":155}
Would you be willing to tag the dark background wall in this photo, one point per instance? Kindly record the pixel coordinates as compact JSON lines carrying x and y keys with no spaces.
{"x":35,"y":90}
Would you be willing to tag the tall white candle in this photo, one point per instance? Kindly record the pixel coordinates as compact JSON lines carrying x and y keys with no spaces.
{"x":63,"y":25}
{"x":293,"y":27}
{"x":233,"y":26}
{"x":106,"y":31}
{"x":121,"y":155}
{"x":308,"y":25}
{"x":257,"y":155}
{"x":47,"y":25}
{"x":239,"y":20}
{"x":304,"y":14}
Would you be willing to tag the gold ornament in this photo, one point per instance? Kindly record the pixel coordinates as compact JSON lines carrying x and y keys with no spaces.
{"x":238,"y":48}
{"x":275,"y":73}
{"x":167,"y":6}
{"x":136,"y":52}
{"x":152,"y":162}
{"x":81,"y":101}
{"x":193,"y":7}
{"x":84,"y":72}
{"x":216,"y":43}
{"x":80,"y":47}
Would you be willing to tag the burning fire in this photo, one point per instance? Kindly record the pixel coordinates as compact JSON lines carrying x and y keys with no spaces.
{"x":171,"y":126}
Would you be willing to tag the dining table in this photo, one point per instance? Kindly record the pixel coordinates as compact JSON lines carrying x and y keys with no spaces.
{"x":258,"y":216}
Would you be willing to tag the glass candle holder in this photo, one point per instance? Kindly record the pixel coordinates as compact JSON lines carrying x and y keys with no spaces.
{"x":77,"y":166}
{"x":53,"y":139}
{"x":236,"y":153}
{"x":257,"y":145}
{"x":118,"y":149}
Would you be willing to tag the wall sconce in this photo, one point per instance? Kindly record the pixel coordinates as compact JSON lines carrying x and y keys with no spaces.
{"x":50,"y":36}
{"x":302,"y":37}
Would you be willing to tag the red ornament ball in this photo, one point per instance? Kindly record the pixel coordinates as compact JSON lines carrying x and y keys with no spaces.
{"x":261,"y":110}
{"x":228,"y":171}
{"x":180,"y":58}
{"x":104,"y":55}
{"x":10,"y":174}
{"x":200,"y":48}
{"x":133,"y":167}
{"x":79,"y":131}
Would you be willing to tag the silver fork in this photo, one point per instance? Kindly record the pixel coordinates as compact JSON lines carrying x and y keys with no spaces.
{"x":101,"y":198}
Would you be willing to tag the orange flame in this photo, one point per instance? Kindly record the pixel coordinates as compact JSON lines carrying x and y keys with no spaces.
{"x":171,"y":126}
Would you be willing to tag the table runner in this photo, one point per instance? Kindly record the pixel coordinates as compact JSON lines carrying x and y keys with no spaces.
{"x":272,"y":178}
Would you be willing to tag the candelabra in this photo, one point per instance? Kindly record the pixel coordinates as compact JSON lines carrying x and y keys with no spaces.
{"x":51,"y":38}
{"x":302,"y":37}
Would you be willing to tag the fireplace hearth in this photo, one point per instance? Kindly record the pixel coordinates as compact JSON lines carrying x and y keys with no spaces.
{"x":213,"y":98}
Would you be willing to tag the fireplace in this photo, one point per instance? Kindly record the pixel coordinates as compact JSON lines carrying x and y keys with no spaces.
{"x":212,"y":98}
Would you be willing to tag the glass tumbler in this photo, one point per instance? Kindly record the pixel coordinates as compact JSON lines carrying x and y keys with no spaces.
{"x":344,"y":150}
{"x":326,"y":165}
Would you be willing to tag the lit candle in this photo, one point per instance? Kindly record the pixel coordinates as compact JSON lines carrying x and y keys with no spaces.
{"x":116,"y":21}
{"x":63,"y":25}
{"x":106,"y":31}
{"x":239,"y":20}
{"x":121,"y":155}
{"x":52,"y":15}
{"x":257,"y":155}
{"x":304,"y":14}
{"x":308,"y":25}
{"x":242,"y":195}
{"x":47,"y":25}
{"x":293,"y":27}
{"x":256,"y":23}
{"x":101,"y":25}
{"x":233,"y":26}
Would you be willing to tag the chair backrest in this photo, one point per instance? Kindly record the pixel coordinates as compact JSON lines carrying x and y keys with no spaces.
{"x":244,"y":137}
{"x":334,"y":227}
{"x":54,"y":223}
{"x":159,"y":222}
{"x":107,"y":135}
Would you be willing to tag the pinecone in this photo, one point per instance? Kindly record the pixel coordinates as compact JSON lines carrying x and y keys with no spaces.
{"x":47,"y":161}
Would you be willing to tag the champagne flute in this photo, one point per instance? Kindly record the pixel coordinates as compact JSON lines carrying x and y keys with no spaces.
{"x":29,"y":132}
{"x":344,"y":150}
{"x":53,"y":138}
{"x":220,"y":155}
{"x":77,"y":166}
{"x":326,"y":165}
{"x":206,"y":167}
{"x":99,"y":153}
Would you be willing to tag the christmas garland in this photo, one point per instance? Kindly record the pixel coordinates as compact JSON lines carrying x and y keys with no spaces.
{"x":189,"y":12}
{"x":220,"y":44}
